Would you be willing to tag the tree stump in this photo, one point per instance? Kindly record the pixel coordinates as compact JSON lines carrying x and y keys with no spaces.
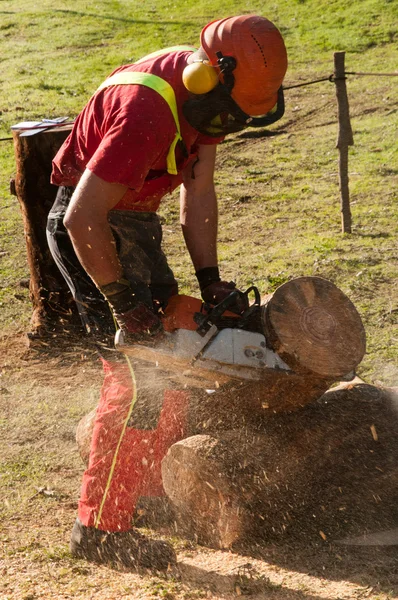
{"x":53,"y":306}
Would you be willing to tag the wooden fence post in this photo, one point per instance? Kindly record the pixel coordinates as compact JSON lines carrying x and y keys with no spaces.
{"x":344,"y":139}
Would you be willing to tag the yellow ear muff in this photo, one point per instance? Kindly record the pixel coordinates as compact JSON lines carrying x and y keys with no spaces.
{"x":199,"y":77}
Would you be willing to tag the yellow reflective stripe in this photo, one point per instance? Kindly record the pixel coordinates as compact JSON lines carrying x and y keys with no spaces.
{"x":161,"y":87}
{"x":113,"y":465}
{"x":171,"y":157}
{"x":152,"y":81}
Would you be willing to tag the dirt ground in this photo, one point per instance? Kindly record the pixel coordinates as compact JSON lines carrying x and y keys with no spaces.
{"x":42,"y":399}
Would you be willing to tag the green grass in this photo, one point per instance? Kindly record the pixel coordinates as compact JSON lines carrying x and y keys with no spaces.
{"x":279,"y":196}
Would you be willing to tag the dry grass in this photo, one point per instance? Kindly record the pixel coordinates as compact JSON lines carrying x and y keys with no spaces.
{"x":42,"y":401}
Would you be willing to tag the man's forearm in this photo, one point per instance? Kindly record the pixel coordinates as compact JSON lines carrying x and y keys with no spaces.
{"x":87,"y":223}
{"x":96,"y":250}
{"x":199,"y":222}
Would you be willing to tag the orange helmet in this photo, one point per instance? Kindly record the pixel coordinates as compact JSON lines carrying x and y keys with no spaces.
{"x":260,"y":54}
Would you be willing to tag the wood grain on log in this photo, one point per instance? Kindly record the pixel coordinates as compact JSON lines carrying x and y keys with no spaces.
{"x":199,"y":477}
{"x":315,"y":328}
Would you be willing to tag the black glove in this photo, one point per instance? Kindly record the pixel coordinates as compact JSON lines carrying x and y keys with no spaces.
{"x":215,"y":291}
{"x":135,"y":319}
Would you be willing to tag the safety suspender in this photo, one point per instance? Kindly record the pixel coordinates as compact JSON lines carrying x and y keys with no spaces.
{"x":161,"y":87}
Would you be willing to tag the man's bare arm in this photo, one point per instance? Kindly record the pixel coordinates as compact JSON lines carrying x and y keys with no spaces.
{"x":87,"y":223}
{"x":198,"y":209}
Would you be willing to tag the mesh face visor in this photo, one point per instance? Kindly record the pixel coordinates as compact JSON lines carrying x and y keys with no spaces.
{"x":216,"y":114}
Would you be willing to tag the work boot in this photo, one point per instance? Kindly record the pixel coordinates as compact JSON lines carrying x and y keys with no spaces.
{"x":128,"y":548}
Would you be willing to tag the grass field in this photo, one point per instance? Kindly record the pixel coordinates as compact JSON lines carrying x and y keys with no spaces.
{"x":279,"y":218}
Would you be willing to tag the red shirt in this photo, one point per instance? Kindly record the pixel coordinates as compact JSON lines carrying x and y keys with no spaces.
{"x":124,"y":133}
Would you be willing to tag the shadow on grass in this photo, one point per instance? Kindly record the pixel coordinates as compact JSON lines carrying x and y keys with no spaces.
{"x":77,"y":13}
{"x":373,"y":235}
{"x":246,"y":581}
{"x":375,"y":567}
{"x":251,"y":134}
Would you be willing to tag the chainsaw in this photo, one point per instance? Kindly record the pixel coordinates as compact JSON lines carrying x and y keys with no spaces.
{"x":307,"y":327}
{"x":207,"y":345}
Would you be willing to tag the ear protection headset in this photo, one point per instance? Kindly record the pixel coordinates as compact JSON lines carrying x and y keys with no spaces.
{"x":212,"y":98}
{"x":200,"y":77}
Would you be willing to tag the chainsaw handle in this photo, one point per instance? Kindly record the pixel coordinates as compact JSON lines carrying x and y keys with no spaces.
{"x":257,"y":297}
{"x":218,"y":310}
{"x":214,"y":314}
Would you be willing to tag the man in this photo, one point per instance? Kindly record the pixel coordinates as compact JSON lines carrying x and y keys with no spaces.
{"x":151,"y":127}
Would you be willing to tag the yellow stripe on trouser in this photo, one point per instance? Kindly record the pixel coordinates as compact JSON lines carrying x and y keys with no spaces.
{"x":113,"y":465}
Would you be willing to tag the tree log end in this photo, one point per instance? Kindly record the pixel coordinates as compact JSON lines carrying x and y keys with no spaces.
{"x":315,"y":328}
{"x":200,"y":487}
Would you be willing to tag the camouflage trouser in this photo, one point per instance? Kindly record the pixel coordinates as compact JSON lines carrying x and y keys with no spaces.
{"x":138,"y":238}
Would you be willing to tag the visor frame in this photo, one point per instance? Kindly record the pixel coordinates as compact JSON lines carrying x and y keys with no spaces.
{"x":263,"y":120}
{"x":201,"y":112}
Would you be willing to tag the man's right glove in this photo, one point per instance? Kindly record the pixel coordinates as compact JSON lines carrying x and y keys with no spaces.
{"x":135,"y":319}
{"x":215,"y":291}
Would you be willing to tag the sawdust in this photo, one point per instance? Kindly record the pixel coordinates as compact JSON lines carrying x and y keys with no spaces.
{"x":41,"y":402}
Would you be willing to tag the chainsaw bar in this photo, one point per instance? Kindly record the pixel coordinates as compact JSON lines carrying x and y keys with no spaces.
{"x":212,"y":359}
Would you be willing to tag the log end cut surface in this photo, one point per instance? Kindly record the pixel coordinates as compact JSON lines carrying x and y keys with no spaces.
{"x":197,"y":478}
{"x":315,"y":327}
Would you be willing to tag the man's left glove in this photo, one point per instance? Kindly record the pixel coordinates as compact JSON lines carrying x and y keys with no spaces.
{"x":215,"y":291}
{"x":135,"y":319}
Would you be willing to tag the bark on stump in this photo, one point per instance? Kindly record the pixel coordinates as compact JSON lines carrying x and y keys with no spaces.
{"x":53,"y":308}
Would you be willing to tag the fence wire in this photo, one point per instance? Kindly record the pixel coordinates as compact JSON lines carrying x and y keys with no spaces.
{"x":332,"y":78}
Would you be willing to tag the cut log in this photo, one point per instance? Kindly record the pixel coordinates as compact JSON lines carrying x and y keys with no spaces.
{"x":315,"y":328}
{"x":324,"y":473}
{"x":52,"y":303}
{"x":330,"y":467}
{"x":199,"y":477}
